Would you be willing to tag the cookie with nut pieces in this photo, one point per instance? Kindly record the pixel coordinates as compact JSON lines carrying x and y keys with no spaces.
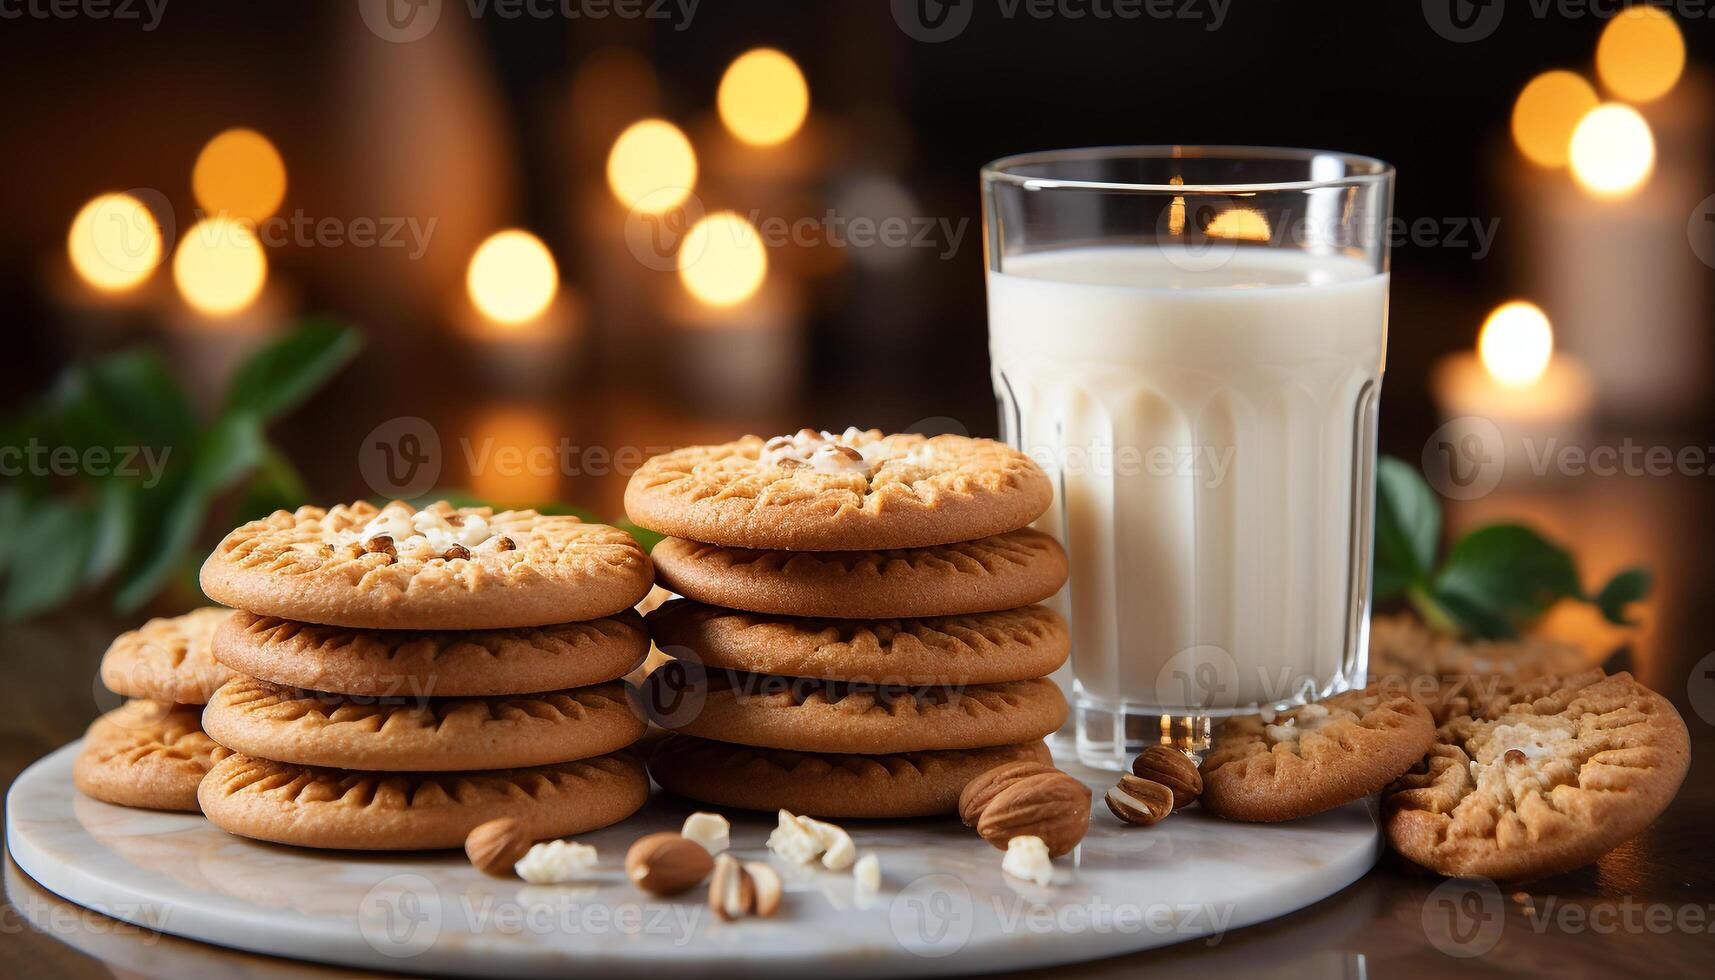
{"x":420,"y":663}
{"x":821,"y":491}
{"x":907,"y":784}
{"x":1315,"y":757}
{"x":147,"y":754}
{"x":270,"y":721}
{"x":438,"y":568}
{"x":980,"y":648}
{"x":168,"y":659}
{"x":1549,"y":779}
{"x":834,"y":716}
{"x":352,"y":810}
{"x":1002,"y":571}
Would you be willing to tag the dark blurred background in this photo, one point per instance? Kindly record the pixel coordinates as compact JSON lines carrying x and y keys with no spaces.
{"x":506,"y":120}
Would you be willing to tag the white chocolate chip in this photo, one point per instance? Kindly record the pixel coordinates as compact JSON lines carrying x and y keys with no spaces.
{"x":867,"y":872}
{"x":1027,"y":859}
{"x":711,"y":830}
{"x":838,"y":851}
{"x":555,"y":862}
{"x":795,"y":842}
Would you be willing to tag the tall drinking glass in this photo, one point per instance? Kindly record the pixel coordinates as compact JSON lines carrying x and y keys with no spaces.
{"x":1191,"y":340}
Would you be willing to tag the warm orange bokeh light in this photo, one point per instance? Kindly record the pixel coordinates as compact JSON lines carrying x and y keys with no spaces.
{"x":1641,"y":54}
{"x":114,"y":243}
{"x":219,"y":266}
{"x":651,"y":166}
{"x":512,"y":277}
{"x":1613,"y":151}
{"x":1516,"y":343}
{"x":239,"y":174}
{"x":1547,"y":111}
{"x":763,"y":97}
{"x":722,"y":260}
{"x":514,"y":457}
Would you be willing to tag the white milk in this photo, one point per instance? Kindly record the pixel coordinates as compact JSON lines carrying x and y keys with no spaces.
{"x":1211,"y":437}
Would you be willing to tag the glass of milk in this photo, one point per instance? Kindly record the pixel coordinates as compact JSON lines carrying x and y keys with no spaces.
{"x":1190,"y":341}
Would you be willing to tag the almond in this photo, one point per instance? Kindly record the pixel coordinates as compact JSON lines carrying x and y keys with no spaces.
{"x":979,"y":791}
{"x":1143,"y":802}
{"x":494,"y":847}
{"x":667,"y":864}
{"x":1051,"y":805}
{"x":1171,"y":768}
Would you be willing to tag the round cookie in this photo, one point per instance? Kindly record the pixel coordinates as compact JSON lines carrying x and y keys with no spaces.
{"x":1003,"y":571}
{"x":168,"y":659}
{"x":1565,"y":772}
{"x":1452,"y":676}
{"x":824,"y":492}
{"x":914,"y":784}
{"x":146,"y":754}
{"x":439,"y":568}
{"x":269,"y":721}
{"x":1315,"y":757}
{"x":408,"y":663}
{"x":342,"y":809}
{"x":982,"y":648}
{"x":830,"y":716}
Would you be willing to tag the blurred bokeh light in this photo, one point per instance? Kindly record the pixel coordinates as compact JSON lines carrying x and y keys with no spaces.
{"x":1547,"y":111}
{"x":651,"y":166}
{"x":1641,"y":54}
{"x":722,"y":261}
{"x":1516,"y":343}
{"x":239,"y":174}
{"x":114,"y":242}
{"x":512,"y":277}
{"x":763,"y":98}
{"x":219,"y":266}
{"x":1613,"y":150}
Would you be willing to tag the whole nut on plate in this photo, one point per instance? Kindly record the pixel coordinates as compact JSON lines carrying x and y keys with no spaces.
{"x":979,"y":791}
{"x":1172,"y":769}
{"x":1143,"y":802}
{"x":667,"y":864}
{"x":1051,"y":805}
{"x":494,"y":847}
{"x":737,"y":890}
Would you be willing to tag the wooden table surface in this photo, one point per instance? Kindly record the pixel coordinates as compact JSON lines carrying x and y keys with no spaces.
{"x":1649,"y":905}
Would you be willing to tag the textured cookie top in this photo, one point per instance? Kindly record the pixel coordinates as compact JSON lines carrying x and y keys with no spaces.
{"x":983,"y":648}
{"x":817,"y":491}
{"x":831,"y":716}
{"x":1316,"y":757}
{"x":443,"y":734}
{"x":388,"y":663}
{"x":437,"y":568}
{"x":1002,"y":571}
{"x":1547,"y":779}
{"x":152,"y":732}
{"x":1454,"y":676}
{"x":167,"y":659}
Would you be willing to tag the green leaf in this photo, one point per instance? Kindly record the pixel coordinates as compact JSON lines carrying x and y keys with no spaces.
{"x":1503,"y":574}
{"x":276,"y":485}
{"x":115,"y":529}
{"x":645,"y":537}
{"x":285,"y":372}
{"x":139,"y":394}
{"x":56,"y":535}
{"x":1621,"y":591}
{"x":1408,"y":527}
{"x":231,"y":451}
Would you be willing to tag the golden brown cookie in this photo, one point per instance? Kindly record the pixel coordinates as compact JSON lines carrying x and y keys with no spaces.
{"x":825,"y":492}
{"x":1316,"y":757}
{"x":1454,"y":676}
{"x":440,"y":568}
{"x":913,"y":784}
{"x":146,"y":754}
{"x":409,"y":663}
{"x":167,"y":659}
{"x":981,"y":648}
{"x":1565,"y":772}
{"x":343,"y":809}
{"x":309,"y":728}
{"x":1005,"y":571}
{"x":833,"y":716}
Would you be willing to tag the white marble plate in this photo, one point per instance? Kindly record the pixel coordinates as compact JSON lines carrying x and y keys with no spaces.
{"x":944,"y":906}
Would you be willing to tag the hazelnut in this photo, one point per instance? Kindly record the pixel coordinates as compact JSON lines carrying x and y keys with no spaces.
{"x":504,"y":543}
{"x":848,"y":452}
{"x":979,"y":791}
{"x":1139,"y":801}
{"x":456,"y":551}
{"x":667,"y":864}
{"x":381,"y":544}
{"x":494,"y":847}
{"x":1514,"y":756}
{"x":1171,"y":768}
{"x":1051,"y":805}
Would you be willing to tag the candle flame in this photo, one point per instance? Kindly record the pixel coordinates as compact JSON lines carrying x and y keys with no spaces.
{"x":1516,"y":344}
{"x":1613,"y":151}
{"x":512,"y":277}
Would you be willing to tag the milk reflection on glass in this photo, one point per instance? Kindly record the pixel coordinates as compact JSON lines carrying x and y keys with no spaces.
{"x":1207,"y":415}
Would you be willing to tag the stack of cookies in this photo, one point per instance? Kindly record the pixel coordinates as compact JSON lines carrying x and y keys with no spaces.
{"x":404,"y":675}
{"x":859,"y":634}
{"x":151,"y":751}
